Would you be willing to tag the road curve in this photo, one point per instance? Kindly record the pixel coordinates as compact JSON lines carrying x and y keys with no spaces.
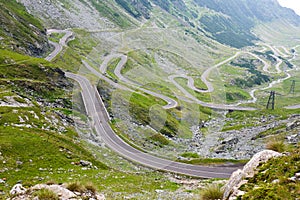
{"x":58,"y":46}
{"x":171,"y":103}
{"x":95,"y":109}
{"x":100,"y":121}
{"x":205,"y":74}
{"x":205,"y":104}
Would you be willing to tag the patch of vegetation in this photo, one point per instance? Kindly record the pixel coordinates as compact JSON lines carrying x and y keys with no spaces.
{"x":138,"y":58}
{"x":235,"y":28}
{"x":272,"y":131}
{"x":267,"y":55}
{"x":272,"y":181}
{"x":31,"y":74}
{"x":77,"y":50}
{"x":139,"y":107}
{"x":212,"y":192}
{"x":276,"y":144}
{"x":21,"y":31}
{"x":55,"y":37}
{"x":136,"y":8}
{"x":46,"y":194}
{"x":159,"y":138}
{"x":190,"y":155}
{"x":120,"y":19}
{"x":76,"y":187}
{"x":235,"y":35}
{"x":233,"y":94}
{"x":244,"y":119}
{"x":212,"y":161}
{"x":199,"y":84}
{"x":257,"y":77}
{"x":111,"y":67}
{"x":206,"y":97}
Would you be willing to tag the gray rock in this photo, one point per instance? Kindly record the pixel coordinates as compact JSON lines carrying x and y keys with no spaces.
{"x":85,"y":163}
{"x":292,"y":125}
{"x":231,"y":189}
{"x":18,"y":189}
{"x":61,"y":191}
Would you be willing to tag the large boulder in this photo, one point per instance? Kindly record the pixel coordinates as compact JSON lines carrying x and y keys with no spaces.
{"x":62,"y":192}
{"x":18,"y":192}
{"x":231,"y":189}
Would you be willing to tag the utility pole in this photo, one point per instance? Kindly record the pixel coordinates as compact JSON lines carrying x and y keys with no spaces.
{"x":292,"y":90}
{"x":271,"y":101}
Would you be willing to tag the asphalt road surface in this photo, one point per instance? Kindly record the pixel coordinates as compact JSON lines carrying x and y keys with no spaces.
{"x":96,"y":111}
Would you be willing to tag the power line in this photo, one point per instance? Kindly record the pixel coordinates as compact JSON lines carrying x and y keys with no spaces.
{"x":292,"y":89}
{"x":271,"y":100}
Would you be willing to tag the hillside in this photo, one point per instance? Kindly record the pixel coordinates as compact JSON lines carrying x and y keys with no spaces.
{"x":185,"y":81}
{"x":20,"y":31}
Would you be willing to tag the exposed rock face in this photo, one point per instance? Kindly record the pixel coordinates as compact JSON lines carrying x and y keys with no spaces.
{"x":237,"y":178}
{"x":75,"y":13}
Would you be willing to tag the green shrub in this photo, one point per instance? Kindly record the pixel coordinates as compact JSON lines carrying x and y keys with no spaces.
{"x":76,"y":187}
{"x":90,"y":187}
{"x":190,"y":155}
{"x":46,"y":194}
{"x":276,"y":145}
{"x":212,"y":192}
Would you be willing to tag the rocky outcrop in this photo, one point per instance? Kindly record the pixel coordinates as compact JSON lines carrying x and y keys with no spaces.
{"x":231,"y":189}
{"x":292,"y":125}
{"x":18,"y":192}
{"x":78,"y":14}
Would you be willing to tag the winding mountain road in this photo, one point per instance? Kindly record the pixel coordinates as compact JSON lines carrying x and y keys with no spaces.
{"x":100,"y":118}
{"x":58,"y":46}
{"x":205,"y":75}
{"x":100,"y":121}
{"x":96,"y":110}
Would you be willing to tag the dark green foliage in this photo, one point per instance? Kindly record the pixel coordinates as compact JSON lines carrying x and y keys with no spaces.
{"x":190,"y":155}
{"x":235,"y":19}
{"x":160,"y":138}
{"x":257,"y":77}
{"x":170,"y":5}
{"x":136,"y":8}
{"x":227,"y":31}
{"x":266,"y":55}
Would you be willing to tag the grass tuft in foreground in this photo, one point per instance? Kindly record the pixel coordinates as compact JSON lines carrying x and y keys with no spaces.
{"x":212,"y":192}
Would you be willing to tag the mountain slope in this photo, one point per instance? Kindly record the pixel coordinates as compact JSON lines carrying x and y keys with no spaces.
{"x":235,"y":19}
{"x":20,"y":31}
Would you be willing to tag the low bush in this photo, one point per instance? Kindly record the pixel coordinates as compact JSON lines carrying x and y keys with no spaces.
{"x":276,"y":145}
{"x":212,"y":192}
{"x":76,"y":187}
{"x":46,"y":194}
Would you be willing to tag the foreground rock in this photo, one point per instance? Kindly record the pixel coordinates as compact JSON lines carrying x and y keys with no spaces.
{"x":231,"y":189}
{"x":18,"y":192}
